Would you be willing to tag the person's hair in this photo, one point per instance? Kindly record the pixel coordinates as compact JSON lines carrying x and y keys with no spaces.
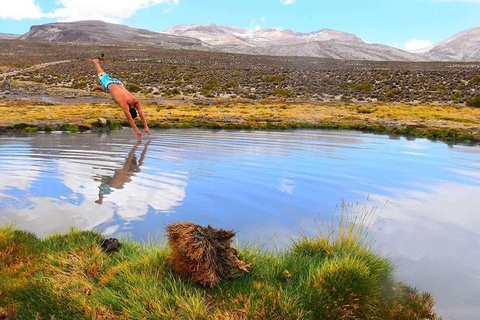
{"x":133,"y":112}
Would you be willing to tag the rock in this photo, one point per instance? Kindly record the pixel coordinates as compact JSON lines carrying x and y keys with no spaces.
{"x":204,"y":255}
{"x":5,"y":86}
{"x":69,"y":97}
{"x":102,"y":122}
{"x":110,"y":245}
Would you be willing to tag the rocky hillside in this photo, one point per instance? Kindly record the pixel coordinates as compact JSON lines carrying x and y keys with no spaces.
{"x":227,"y":36}
{"x":324,"y":43}
{"x":107,"y":33}
{"x":463,"y":46}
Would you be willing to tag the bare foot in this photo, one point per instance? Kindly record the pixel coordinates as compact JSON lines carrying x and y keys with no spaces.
{"x":97,"y":87}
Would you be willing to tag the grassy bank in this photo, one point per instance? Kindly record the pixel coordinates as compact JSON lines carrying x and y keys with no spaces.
{"x":446,"y":123}
{"x":335,"y":276}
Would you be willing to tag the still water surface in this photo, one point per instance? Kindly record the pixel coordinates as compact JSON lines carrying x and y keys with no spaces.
{"x":268,"y":186}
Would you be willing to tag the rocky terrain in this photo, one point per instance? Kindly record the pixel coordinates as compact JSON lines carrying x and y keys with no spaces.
{"x":183,"y":74}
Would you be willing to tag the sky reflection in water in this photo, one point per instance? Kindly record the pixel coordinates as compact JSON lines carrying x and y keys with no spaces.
{"x":265,"y":185}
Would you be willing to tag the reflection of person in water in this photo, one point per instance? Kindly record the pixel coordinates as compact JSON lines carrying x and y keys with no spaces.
{"x":123,"y":175}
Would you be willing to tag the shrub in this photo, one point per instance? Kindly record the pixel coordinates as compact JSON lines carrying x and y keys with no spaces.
{"x":366,"y":87}
{"x":133,"y":87}
{"x":24,"y":126}
{"x":474,"y":102}
{"x":394,"y":92}
{"x":210,"y":85}
{"x":281,"y":92}
{"x":69,"y":127}
{"x":475,"y":80}
{"x":39,"y":80}
{"x":47,"y":128}
{"x":79,"y":85}
{"x":230,"y":85}
{"x":208,"y":94}
{"x":113,"y":125}
{"x":439,"y":87}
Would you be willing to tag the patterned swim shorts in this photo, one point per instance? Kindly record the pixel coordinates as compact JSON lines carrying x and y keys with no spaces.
{"x":106,"y":81}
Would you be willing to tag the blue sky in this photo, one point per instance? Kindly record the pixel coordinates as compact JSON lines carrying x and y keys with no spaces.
{"x":391,"y":22}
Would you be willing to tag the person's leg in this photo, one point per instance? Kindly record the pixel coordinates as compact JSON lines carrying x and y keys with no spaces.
{"x":98,"y":69}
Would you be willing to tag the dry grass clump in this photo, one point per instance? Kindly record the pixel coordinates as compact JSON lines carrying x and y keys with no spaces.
{"x":204,"y":255}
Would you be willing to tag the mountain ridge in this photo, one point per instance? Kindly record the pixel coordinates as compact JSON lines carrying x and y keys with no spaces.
{"x":322,"y":43}
{"x":97,"y":31}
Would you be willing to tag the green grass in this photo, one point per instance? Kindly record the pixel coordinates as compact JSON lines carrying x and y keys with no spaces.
{"x":29,"y":128}
{"x":69,"y":127}
{"x":334,"y":275}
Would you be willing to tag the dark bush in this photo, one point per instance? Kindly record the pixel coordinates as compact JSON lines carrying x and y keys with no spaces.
{"x":474,"y":102}
{"x":133,"y":87}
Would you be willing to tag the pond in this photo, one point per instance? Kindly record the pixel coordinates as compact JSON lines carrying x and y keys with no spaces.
{"x":267,"y":186}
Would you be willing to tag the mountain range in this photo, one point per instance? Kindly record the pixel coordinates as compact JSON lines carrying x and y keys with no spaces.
{"x":324,"y":43}
{"x":9,"y":36}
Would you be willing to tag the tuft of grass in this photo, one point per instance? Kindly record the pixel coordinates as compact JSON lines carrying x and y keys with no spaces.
{"x":24,"y":126}
{"x":113,"y":125}
{"x":332,"y":275}
{"x":47,"y":128}
{"x":69,"y":127}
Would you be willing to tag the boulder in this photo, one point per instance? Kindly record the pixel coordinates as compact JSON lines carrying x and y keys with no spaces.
{"x":102,"y":122}
{"x":110,"y":245}
{"x":5,"y":86}
{"x":204,"y":255}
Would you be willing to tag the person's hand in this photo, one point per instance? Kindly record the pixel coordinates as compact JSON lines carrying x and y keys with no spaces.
{"x":95,"y":60}
{"x":147,"y":131}
{"x":139,"y":134}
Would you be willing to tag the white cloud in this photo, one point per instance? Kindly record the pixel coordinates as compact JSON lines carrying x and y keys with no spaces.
{"x":416,"y":44}
{"x":257,"y":24}
{"x":107,"y":10}
{"x":21,"y":9}
{"x":287,"y":2}
{"x":74,"y":10}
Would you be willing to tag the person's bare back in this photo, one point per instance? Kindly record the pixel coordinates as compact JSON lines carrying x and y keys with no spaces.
{"x":122,"y":96}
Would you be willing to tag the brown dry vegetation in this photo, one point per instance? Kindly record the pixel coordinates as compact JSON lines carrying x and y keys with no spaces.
{"x":204,"y":255}
{"x":448,"y":123}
